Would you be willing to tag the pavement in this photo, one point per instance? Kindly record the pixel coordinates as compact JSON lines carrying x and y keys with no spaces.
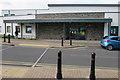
{"x":49,"y":70}
{"x":51,"y":43}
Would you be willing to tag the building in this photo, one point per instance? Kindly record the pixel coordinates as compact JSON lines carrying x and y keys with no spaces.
{"x":76,"y":21}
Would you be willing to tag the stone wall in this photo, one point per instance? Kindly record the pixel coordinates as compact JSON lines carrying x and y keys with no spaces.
{"x":50,"y":30}
{"x":70,"y":15}
{"x":94,"y":31}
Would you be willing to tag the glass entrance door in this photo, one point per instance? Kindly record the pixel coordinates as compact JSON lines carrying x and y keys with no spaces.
{"x":82,"y":33}
{"x":73,"y":32}
{"x":114,"y":31}
{"x":77,"y":33}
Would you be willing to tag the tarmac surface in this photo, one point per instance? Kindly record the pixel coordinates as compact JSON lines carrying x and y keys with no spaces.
{"x":75,"y":56}
{"x":48,"y":71}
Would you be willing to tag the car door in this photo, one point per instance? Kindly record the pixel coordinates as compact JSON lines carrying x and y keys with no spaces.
{"x":115,"y":42}
{"x":119,"y":42}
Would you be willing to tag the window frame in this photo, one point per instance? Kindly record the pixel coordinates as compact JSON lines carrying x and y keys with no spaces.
{"x":8,"y":30}
{"x":5,"y":14}
{"x":17,"y":27}
{"x":114,"y":31}
{"x":28,"y":31}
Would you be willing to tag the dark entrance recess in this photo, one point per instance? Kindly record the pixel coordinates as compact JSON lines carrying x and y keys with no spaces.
{"x":77,"y":33}
{"x":114,"y":31}
{"x":84,"y":31}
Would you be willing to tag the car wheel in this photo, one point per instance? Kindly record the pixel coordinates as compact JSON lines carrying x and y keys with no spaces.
{"x":109,"y":47}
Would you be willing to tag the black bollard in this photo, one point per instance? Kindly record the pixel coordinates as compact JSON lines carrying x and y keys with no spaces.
{"x":59,"y":66}
{"x":92,"y":72}
{"x":4,"y":38}
{"x":70,"y":38}
{"x":8,"y":38}
{"x":70,"y":42}
{"x":62,"y":42}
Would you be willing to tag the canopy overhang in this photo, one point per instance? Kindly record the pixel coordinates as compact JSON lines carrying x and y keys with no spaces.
{"x":59,"y":20}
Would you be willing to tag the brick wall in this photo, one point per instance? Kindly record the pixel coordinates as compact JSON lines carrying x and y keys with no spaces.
{"x":71,"y":15}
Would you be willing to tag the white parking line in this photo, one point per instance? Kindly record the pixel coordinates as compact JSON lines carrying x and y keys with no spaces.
{"x":6,"y":48}
{"x":40,"y":57}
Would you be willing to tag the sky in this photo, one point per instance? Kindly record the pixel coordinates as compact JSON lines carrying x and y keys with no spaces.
{"x":42,"y":4}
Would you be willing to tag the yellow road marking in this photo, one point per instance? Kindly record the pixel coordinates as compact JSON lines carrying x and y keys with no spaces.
{"x":19,"y":63}
{"x":33,"y":45}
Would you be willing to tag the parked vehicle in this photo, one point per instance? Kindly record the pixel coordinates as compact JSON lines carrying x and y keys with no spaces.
{"x":110,"y":42}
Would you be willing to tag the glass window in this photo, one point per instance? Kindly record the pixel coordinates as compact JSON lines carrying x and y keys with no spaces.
{"x":18,"y":28}
{"x":106,"y":37}
{"x":114,"y":31}
{"x":115,"y":38}
{"x":28,"y":29}
{"x":12,"y":14}
{"x":5,"y":14}
{"x":119,"y":38}
{"x":8,"y":29}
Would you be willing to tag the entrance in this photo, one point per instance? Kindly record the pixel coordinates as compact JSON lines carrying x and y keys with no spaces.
{"x":77,"y":33}
{"x":114,"y":31}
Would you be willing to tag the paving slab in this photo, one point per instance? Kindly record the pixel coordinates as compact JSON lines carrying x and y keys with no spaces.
{"x":49,"y":71}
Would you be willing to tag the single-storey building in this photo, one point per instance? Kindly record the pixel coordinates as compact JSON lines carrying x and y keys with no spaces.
{"x":76,"y":21}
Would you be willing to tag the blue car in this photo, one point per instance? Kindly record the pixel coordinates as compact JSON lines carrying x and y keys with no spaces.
{"x":111,"y":42}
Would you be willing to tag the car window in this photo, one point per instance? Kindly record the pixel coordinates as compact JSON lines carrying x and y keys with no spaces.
{"x":114,"y":38}
{"x":106,"y":37}
{"x":119,"y":39}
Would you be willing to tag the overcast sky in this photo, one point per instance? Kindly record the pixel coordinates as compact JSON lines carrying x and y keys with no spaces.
{"x":38,"y":4}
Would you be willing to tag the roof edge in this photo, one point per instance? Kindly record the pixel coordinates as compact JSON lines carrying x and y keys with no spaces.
{"x":115,"y":5}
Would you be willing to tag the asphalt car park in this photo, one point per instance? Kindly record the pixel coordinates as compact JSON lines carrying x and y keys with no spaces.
{"x":71,"y":56}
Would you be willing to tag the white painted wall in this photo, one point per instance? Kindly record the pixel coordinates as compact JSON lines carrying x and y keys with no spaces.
{"x":14,"y":29}
{"x":14,"y":24}
{"x":1,"y":24}
{"x":24,"y":11}
{"x":119,"y":22}
{"x":106,"y":29}
{"x":115,"y":21}
{"x":82,"y":9}
{"x":64,"y":9}
{"x":25,"y":35}
{"x":19,"y":17}
{"x":29,"y":35}
{"x":114,"y":17}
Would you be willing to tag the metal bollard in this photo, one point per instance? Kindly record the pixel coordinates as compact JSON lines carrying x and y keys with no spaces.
{"x":62,"y":42}
{"x":92,"y":72}
{"x":70,"y":42}
{"x":59,"y":66}
{"x":4,"y":38}
{"x":8,"y":38}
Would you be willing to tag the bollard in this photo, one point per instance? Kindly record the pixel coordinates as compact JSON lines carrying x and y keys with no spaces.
{"x":8,"y":38}
{"x":59,"y":66}
{"x":92,"y":72}
{"x":62,"y":42}
{"x":70,"y":42}
{"x":70,"y":38}
{"x":4,"y":38}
